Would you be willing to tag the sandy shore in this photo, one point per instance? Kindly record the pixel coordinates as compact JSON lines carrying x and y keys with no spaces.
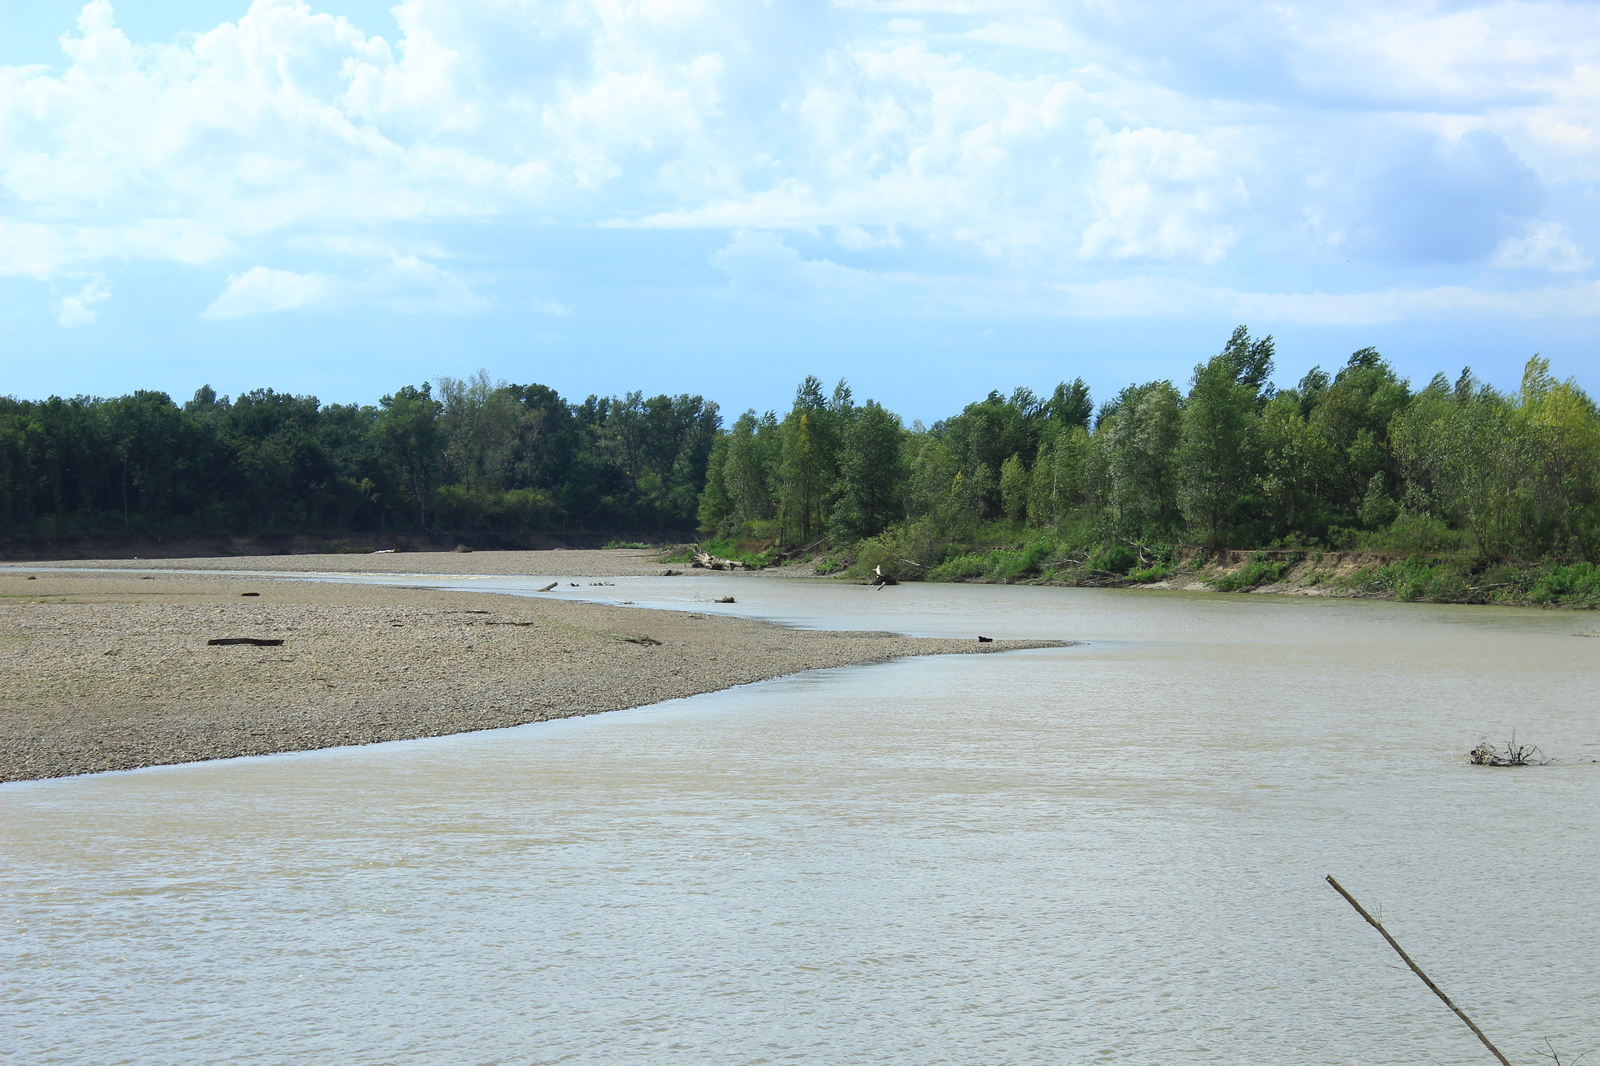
{"x":113,"y":671}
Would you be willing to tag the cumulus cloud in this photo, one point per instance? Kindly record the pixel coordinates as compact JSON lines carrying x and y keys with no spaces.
{"x":1026,"y":138}
{"x":1161,"y":195}
{"x":78,"y":309}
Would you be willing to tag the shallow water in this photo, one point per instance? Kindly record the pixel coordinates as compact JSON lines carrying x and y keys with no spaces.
{"x":1106,"y":852}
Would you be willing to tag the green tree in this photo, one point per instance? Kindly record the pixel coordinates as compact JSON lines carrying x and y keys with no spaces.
{"x":1070,"y":405}
{"x":1293,"y":462}
{"x":1134,"y":458}
{"x":930,"y":475}
{"x":870,"y":474}
{"x":408,"y":431}
{"x":1215,"y":457}
{"x":808,"y":469}
{"x":1014,"y":489}
{"x":1058,"y":483}
{"x":1352,"y":415}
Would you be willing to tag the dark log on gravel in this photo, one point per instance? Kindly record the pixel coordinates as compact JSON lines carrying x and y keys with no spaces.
{"x":254,"y":642}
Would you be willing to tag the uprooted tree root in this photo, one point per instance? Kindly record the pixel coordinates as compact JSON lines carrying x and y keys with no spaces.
{"x":1509,"y":754}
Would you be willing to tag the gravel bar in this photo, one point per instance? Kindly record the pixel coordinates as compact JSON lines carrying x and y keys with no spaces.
{"x":111,"y":671}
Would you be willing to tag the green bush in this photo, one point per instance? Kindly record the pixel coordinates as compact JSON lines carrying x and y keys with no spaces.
{"x":962,"y":567}
{"x":834,"y":563}
{"x":1423,"y":579}
{"x":1116,"y":559}
{"x":1408,"y":534}
{"x":753,"y":553}
{"x":1154,"y":572}
{"x":1576,"y":585}
{"x":997,"y":564}
{"x":1258,"y":570}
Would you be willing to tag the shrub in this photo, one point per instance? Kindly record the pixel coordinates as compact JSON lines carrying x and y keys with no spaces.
{"x":1117,"y":559}
{"x":1421,"y":579}
{"x":1258,"y":570}
{"x":1153,"y":572}
{"x":1576,"y":585}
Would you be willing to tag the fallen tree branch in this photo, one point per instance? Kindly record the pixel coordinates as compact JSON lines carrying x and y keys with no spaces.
{"x":704,"y":560}
{"x":1337,"y":887}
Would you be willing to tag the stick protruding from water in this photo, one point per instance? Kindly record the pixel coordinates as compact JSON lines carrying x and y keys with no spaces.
{"x":1337,"y":887}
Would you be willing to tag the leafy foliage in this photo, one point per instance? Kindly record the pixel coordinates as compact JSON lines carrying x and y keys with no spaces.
{"x":1456,"y":477}
{"x":476,"y":455}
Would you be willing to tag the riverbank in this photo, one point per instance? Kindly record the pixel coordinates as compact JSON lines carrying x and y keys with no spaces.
{"x":1458,"y":577}
{"x":112,"y":671}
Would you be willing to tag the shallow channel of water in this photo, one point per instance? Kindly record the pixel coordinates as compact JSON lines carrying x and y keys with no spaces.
{"x":1110,"y":852}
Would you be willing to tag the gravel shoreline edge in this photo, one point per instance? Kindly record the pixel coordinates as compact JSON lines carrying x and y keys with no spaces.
{"x":104,"y":671}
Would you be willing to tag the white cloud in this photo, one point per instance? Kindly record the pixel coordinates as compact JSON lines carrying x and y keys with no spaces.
{"x":761,"y":263}
{"x":1546,"y":246}
{"x":78,"y":309}
{"x":1175,"y":298}
{"x":405,"y":284}
{"x":44,"y":250}
{"x":1026,"y":136}
{"x":1161,"y":195}
{"x":263,"y":290}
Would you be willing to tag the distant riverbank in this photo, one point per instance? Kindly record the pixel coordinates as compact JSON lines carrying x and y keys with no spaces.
{"x":111,"y":671}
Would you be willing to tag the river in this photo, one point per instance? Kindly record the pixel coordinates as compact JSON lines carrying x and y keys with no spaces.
{"x":1108,"y":852}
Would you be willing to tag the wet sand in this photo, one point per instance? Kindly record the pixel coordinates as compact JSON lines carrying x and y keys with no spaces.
{"x":111,"y":671}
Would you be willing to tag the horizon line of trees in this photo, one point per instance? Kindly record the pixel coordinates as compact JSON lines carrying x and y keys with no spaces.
{"x":474,"y":456}
{"x":1232,"y":461}
{"x":1339,"y":459}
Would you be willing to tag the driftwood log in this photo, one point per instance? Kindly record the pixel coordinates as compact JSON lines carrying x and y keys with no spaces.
{"x":254,"y":642}
{"x":704,"y":560}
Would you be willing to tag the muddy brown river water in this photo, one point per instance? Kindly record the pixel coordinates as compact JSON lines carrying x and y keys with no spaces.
{"x":1112,"y":852}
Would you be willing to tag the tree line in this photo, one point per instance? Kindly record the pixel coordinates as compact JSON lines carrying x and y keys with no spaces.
{"x":1351,"y":458}
{"x":473,"y":455}
{"x":1348,"y":458}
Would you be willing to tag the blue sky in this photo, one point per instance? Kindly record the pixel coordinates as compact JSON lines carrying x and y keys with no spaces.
{"x":931,"y":199}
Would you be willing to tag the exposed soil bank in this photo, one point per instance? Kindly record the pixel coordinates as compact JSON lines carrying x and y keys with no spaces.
{"x":1314,"y":574}
{"x":113,"y":671}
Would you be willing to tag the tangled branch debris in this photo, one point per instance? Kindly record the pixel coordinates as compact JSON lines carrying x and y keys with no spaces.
{"x":1509,"y":754}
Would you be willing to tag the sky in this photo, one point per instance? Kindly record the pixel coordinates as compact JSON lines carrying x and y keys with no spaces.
{"x":928,"y":198}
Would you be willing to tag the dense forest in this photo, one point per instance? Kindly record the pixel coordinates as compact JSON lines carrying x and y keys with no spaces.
{"x":476,"y":456}
{"x":1352,"y":458}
